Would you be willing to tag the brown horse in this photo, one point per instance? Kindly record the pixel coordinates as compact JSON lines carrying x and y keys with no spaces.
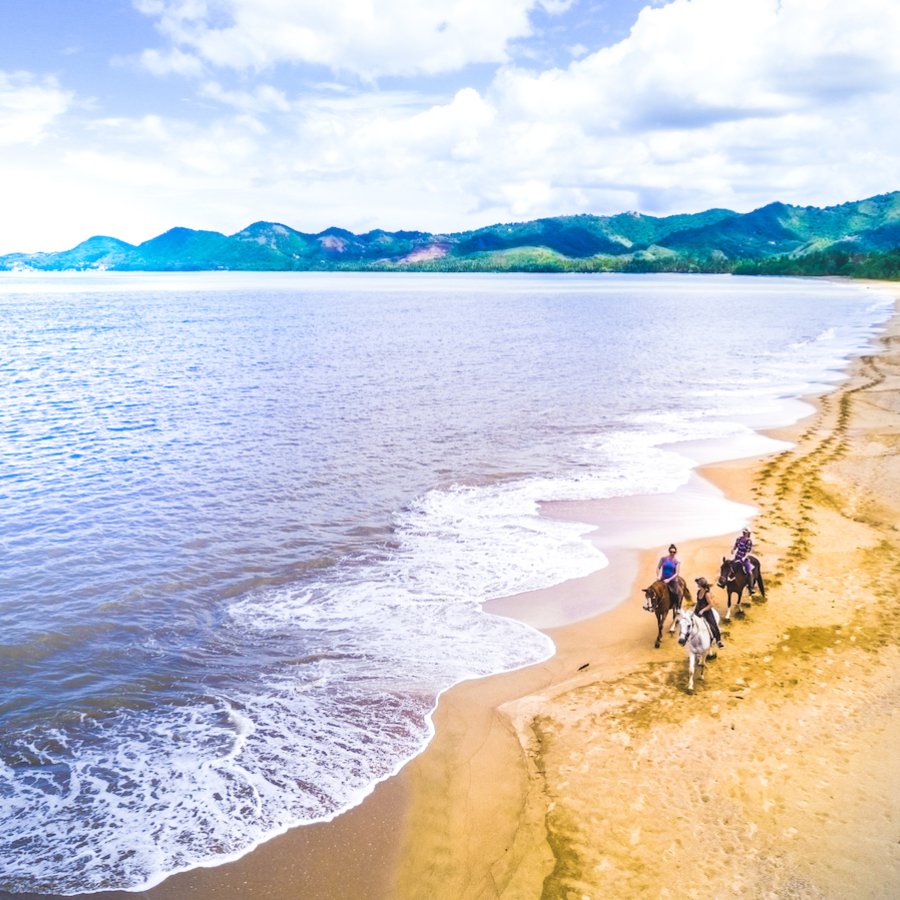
{"x":733,"y":577}
{"x":661,"y":600}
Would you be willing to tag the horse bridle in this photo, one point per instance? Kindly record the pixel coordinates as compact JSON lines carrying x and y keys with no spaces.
{"x":731,"y":573}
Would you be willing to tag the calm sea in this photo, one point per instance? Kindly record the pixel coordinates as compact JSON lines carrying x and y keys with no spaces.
{"x":249,"y":521}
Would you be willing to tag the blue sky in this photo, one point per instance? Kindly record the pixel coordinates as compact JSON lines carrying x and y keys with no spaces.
{"x":128,"y":117}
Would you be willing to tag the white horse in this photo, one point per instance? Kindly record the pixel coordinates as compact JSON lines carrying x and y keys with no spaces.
{"x":695,"y":633}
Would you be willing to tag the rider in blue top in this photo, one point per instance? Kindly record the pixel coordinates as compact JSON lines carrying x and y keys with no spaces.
{"x":667,"y":570}
{"x":741,"y":553}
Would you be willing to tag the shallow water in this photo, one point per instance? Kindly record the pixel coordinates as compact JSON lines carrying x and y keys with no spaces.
{"x":250,"y":520}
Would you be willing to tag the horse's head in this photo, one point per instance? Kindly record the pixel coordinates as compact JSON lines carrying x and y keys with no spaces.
{"x":685,"y":623}
{"x":726,"y":573}
{"x":650,"y":594}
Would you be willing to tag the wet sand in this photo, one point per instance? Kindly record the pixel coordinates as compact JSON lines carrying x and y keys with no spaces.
{"x":597,"y":775}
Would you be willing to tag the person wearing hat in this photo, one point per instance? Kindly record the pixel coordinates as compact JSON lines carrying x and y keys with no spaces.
{"x":741,"y":554}
{"x":703,"y":608}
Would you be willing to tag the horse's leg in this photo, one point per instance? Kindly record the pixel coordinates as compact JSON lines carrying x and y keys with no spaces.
{"x":691,"y":672}
{"x":676,"y":606}
{"x":660,"y":618}
{"x":728,"y":610}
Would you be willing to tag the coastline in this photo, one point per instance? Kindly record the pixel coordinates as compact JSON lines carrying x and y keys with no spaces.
{"x":601,"y":782}
{"x":484,"y":810}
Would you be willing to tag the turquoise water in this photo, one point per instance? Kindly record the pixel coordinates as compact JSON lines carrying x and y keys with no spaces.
{"x":249,"y":521}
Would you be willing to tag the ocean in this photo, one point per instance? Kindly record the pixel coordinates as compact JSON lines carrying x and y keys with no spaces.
{"x":250,"y":521}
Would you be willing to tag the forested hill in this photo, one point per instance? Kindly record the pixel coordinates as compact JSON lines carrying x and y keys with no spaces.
{"x":858,"y":238}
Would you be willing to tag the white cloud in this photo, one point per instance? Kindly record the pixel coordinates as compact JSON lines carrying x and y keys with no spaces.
{"x":697,"y":62}
{"x":29,"y":106}
{"x":171,"y":62}
{"x":368,"y":38}
{"x":262,"y":99}
{"x":704,"y":103}
{"x":708,"y":102}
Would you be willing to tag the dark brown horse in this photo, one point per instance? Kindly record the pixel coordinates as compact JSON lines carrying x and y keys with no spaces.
{"x":733,"y":577}
{"x":661,"y":600}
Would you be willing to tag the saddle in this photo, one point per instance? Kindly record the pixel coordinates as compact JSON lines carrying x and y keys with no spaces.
{"x":737,"y":565}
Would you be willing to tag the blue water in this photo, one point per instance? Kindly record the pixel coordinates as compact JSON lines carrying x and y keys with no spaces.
{"x":249,"y":521}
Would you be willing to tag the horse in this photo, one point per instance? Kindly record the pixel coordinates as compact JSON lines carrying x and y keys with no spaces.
{"x":694,"y":631}
{"x":660,"y":599}
{"x":733,"y":576}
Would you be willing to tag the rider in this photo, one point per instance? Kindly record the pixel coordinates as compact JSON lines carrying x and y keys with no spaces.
{"x":704,"y":609}
{"x":667,"y":570}
{"x":741,"y":553}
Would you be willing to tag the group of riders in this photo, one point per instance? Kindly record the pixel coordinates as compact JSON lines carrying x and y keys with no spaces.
{"x":667,"y":571}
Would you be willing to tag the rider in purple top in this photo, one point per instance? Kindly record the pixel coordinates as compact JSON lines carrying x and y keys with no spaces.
{"x":741,"y":553}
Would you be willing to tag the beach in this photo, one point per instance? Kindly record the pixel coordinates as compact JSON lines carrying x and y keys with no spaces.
{"x":596,"y":774}
{"x":599,"y":775}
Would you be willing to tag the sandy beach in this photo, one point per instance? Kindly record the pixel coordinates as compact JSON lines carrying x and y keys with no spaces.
{"x":775,"y":778}
{"x":598,"y":775}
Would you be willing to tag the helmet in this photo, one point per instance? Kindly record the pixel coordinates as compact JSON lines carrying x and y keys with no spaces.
{"x":746,"y":531}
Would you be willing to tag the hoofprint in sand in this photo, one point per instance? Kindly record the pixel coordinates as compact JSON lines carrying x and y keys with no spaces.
{"x":777,"y":777}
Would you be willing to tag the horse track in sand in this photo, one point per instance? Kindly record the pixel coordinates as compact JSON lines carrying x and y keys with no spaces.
{"x":781,"y":766}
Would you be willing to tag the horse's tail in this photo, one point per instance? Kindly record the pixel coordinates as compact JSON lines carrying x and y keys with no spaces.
{"x":759,"y":581}
{"x":687,"y":591}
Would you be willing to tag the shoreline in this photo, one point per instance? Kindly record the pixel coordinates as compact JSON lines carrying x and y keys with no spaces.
{"x":584,"y":796}
{"x":466,"y":818}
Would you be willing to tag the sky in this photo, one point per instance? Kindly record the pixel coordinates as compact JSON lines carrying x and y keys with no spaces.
{"x":130,"y":117}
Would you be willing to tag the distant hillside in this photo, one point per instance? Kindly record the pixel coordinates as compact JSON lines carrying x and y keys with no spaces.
{"x":791,"y":239}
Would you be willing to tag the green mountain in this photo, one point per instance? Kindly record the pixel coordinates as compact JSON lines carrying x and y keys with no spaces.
{"x":715,"y":240}
{"x":779,"y":229}
{"x":95,"y":253}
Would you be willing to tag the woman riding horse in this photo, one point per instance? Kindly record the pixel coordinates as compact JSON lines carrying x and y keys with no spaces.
{"x":733,"y":578}
{"x":704,"y":609}
{"x":668,"y":571}
{"x":740,"y":553}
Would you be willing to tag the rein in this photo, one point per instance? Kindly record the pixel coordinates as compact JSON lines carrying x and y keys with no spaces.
{"x":691,"y":629}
